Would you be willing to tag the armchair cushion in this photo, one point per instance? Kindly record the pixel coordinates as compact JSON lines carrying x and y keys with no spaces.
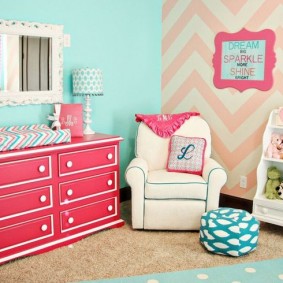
{"x":186,"y":154}
{"x":161,"y":184}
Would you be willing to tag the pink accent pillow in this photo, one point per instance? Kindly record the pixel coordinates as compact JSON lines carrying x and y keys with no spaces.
{"x":71,"y":117}
{"x":186,"y":154}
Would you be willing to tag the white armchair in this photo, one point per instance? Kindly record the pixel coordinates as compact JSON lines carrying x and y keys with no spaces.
{"x":163,"y":200}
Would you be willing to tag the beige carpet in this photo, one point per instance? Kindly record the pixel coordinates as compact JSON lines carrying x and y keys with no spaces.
{"x":124,"y":252}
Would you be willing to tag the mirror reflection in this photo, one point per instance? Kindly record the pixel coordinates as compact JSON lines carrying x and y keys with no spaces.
{"x":25,"y":63}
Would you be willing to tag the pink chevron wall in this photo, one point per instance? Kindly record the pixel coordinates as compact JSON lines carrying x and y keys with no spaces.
{"x":237,"y":119}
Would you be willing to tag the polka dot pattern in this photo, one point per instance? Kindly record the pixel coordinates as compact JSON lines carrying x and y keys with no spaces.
{"x":87,"y":81}
{"x":250,"y":270}
{"x":202,"y":276}
{"x":259,"y":271}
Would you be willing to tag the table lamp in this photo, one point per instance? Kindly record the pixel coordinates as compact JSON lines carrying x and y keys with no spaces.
{"x":87,"y":82}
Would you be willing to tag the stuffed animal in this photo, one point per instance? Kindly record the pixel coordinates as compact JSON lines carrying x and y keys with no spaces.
{"x":273,"y":181}
{"x":55,"y":118}
{"x":280,"y":147}
{"x":279,"y":190}
{"x":274,"y":148}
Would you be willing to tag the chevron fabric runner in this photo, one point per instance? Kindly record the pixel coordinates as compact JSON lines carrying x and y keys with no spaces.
{"x":18,"y":137}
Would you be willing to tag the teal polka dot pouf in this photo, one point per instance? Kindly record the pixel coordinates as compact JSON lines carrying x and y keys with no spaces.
{"x":229,"y":231}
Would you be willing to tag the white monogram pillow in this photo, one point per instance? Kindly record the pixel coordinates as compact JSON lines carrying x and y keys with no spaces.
{"x":186,"y":154}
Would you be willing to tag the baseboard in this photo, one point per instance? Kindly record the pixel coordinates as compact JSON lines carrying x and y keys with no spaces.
{"x":225,"y":200}
{"x":235,"y":202}
{"x":125,"y":194}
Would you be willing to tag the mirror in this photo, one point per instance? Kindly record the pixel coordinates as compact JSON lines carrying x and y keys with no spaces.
{"x":26,"y":63}
{"x":31,"y":63}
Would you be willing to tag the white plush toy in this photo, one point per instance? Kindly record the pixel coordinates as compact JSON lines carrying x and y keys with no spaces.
{"x":279,"y":190}
{"x":55,"y":117}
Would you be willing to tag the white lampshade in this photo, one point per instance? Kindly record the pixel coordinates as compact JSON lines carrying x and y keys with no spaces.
{"x":87,"y":81}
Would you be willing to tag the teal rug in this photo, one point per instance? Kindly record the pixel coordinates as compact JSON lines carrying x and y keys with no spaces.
{"x":267,"y":271}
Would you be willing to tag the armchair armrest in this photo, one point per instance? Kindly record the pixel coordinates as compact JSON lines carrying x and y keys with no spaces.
{"x":136,"y":176}
{"x":139,"y":166}
{"x":216,"y":177}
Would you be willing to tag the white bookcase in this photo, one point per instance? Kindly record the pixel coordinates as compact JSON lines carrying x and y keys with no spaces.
{"x":264,"y":209}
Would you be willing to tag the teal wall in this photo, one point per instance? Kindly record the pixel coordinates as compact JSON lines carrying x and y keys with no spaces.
{"x":121,"y":37}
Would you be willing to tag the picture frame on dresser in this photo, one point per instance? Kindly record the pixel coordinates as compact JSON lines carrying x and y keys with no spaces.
{"x":71,"y":117}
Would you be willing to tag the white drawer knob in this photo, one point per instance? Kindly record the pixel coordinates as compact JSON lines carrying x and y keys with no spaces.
{"x":109,"y":182}
{"x":70,"y":192}
{"x":110,"y":156}
{"x":44,"y":227}
{"x":41,"y":168}
{"x":43,"y":198}
{"x":71,"y":220}
{"x":69,"y":164}
{"x":110,"y":208}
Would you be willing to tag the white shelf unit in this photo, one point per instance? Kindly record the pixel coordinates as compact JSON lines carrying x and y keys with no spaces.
{"x":264,"y":209}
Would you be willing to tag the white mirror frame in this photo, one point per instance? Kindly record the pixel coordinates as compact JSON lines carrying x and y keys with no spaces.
{"x":44,"y":30}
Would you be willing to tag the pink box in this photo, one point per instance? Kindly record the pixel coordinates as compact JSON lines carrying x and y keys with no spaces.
{"x":71,"y":117}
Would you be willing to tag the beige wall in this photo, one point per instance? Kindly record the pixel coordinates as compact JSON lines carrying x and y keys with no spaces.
{"x":237,"y":119}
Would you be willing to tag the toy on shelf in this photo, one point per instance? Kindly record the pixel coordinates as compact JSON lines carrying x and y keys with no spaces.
{"x":55,"y":118}
{"x":273,"y":181}
{"x":275,"y":147}
{"x":279,"y":190}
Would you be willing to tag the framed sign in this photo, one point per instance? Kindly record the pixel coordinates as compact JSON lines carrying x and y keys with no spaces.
{"x":244,"y":59}
{"x":71,"y":117}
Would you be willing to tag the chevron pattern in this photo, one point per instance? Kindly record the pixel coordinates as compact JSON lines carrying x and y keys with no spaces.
{"x":18,"y":137}
{"x":237,"y":119}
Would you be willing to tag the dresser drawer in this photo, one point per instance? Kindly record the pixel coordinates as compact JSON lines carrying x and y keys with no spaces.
{"x":85,"y":160}
{"x":270,"y":212}
{"x":87,"y":187}
{"x":24,"y":233}
{"x":84,"y":215}
{"x":25,"y":171}
{"x":12,"y":205}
